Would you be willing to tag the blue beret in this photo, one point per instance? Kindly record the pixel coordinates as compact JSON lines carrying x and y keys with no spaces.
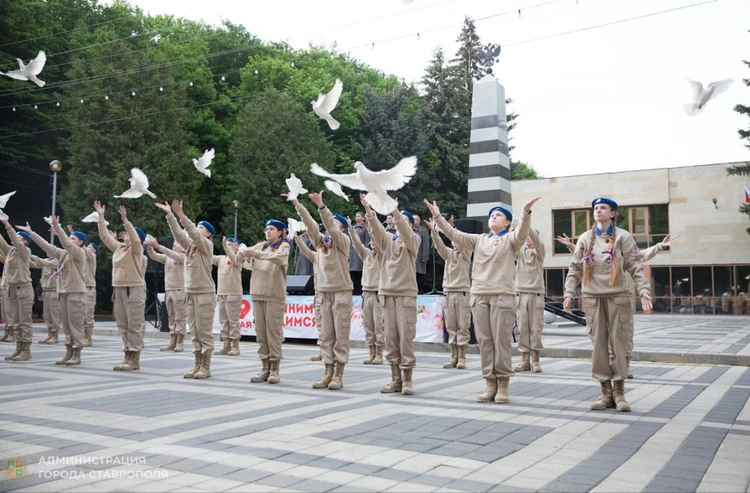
{"x":408,"y":215}
{"x":276,"y":224}
{"x":603,"y":200}
{"x":342,"y":220}
{"x":141,"y":233}
{"x":96,"y":247}
{"x":208,"y":226}
{"x":506,"y":212}
{"x":233,"y":240}
{"x":26,"y":236}
{"x":80,"y":235}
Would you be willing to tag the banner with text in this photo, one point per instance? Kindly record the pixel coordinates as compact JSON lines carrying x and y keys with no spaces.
{"x":299,"y":319}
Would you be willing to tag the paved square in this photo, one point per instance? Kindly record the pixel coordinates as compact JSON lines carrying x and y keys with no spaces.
{"x":89,"y":428}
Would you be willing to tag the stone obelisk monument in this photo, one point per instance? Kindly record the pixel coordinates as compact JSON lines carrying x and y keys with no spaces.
{"x":489,"y":165}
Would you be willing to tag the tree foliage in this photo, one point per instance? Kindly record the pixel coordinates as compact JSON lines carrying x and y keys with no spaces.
{"x":743,"y":169}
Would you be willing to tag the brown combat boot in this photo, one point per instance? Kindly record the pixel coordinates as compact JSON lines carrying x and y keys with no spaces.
{"x":134,"y":363}
{"x":378,"y":360}
{"x":226,"y":347}
{"x":338,"y":377}
{"x":461,"y":365}
{"x":15,"y":353}
{"x":490,"y":390}
{"x":49,"y":335}
{"x":68,"y":355}
{"x":87,"y":333}
{"x":172,"y":343}
{"x":605,"y":398}
{"x":317,"y":357}
{"x":124,"y":361}
{"x":264,"y":373}
{"x":25,"y":353}
{"x":525,"y":364}
{"x":234,"y":347}
{"x":178,"y":343}
{"x":535,"y":366}
{"x":502,"y":390}
{"x":620,"y":402}
{"x":406,"y":384}
{"x":273,"y":374}
{"x":325,"y":379}
{"x":395,"y":384}
{"x":454,"y":357}
{"x":53,"y":337}
{"x":370,"y":358}
{"x":196,"y":367}
{"x":76,"y":358}
{"x":205,"y":369}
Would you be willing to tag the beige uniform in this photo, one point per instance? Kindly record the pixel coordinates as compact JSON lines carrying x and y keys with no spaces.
{"x":609,"y":311}
{"x":493,"y":291}
{"x":71,"y":285}
{"x":530,"y":291}
{"x":456,"y":287}
{"x":199,"y":284}
{"x":268,"y":293}
{"x":90,"y":278}
{"x":312,"y":257}
{"x":398,"y":288}
{"x":372,"y":303}
{"x":174,"y":287}
{"x":50,"y":298}
{"x":129,"y":286}
{"x":19,"y":292}
{"x":4,"y":298}
{"x":333,"y":283}
{"x":230,"y":294}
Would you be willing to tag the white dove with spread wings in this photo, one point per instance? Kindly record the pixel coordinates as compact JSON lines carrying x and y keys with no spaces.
{"x":3,"y":203}
{"x":204,"y":162}
{"x":336,"y":189}
{"x":30,"y":71}
{"x":295,"y":187}
{"x":376,"y":183}
{"x":93,"y":218}
{"x":138,"y":186}
{"x":295,"y":225}
{"x":702,"y":96}
{"x":326,"y":103}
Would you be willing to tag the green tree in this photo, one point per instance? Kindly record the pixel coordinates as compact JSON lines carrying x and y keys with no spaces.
{"x":273,"y":137}
{"x":523,"y":171}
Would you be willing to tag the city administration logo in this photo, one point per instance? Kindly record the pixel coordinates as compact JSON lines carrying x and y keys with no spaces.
{"x":14,"y":469}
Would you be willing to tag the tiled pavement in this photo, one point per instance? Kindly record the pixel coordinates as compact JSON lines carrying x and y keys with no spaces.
{"x":689,"y":429}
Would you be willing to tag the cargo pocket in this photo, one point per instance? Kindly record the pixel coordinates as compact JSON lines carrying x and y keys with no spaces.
{"x":589,"y":307}
{"x":625,"y":319}
{"x":410,"y":315}
{"x":342,"y":305}
{"x":466,"y":308}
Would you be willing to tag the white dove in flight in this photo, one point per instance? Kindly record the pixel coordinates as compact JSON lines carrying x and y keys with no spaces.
{"x":204,"y":162}
{"x":93,"y":218}
{"x":702,"y":96}
{"x":138,"y":186}
{"x":30,"y":71}
{"x":326,"y":103}
{"x":3,"y":203}
{"x":336,"y":189}
{"x":295,"y":187}
{"x":376,"y":183}
{"x":295,"y":225}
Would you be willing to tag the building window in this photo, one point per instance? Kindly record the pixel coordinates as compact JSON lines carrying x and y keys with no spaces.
{"x":648,"y":224}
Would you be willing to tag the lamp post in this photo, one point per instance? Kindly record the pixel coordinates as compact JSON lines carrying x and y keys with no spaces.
{"x":236,"y":205}
{"x":55,"y":167}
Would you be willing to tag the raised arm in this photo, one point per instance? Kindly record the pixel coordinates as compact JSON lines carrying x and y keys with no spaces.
{"x":75,"y":252}
{"x":411,"y":239}
{"x":178,"y":257}
{"x":156,"y":257}
{"x":203,"y":244}
{"x":379,"y":238}
{"x":442,"y":250}
{"x":313,"y":230}
{"x":304,"y":249}
{"x":4,"y":246}
{"x":111,"y":243}
{"x":537,"y":242}
{"x":361,"y":250}
{"x":338,"y":237}
{"x":50,"y":250}
{"x":135,"y":240}
{"x":230,"y":253}
{"x":179,"y":235}
{"x":23,"y":252}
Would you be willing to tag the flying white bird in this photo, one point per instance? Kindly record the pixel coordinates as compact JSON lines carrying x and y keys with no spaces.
{"x":702,"y":96}
{"x":336,"y":189}
{"x":294,"y":225}
{"x":376,"y":183}
{"x":3,"y":203}
{"x":295,"y":187}
{"x":204,"y":162}
{"x":93,"y":218}
{"x":30,"y":71}
{"x":138,"y":186}
{"x":326,"y":103}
